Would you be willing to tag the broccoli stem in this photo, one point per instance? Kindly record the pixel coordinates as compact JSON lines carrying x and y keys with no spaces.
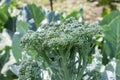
{"x":43,"y":54}
{"x":64,"y":66}
{"x":81,"y":71}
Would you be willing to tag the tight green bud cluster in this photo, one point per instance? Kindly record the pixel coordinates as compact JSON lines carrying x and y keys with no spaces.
{"x":29,"y":70}
{"x":71,"y":32}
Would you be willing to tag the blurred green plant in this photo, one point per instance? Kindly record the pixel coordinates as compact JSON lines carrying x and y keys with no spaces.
{"x":6,"y":21}
{"x":16,"y":28}
{"x":111,"y":27}
{"x":110,"y":3}
{"x":37,"y":14}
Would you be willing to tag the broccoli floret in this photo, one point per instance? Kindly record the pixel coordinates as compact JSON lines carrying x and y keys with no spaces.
{"x":63,"y":42}
{"x":51,"y":36}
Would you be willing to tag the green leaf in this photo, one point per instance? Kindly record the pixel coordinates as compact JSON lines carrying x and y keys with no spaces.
{"x":108,"y":18}
{"x":52,"y":16}
{"x":103,"y":2}
{"x":118,"y":68}
{"x":11,"y":24}
{"x":110,"y":67}
{"x":16,"y":47}
{"x":3,"y":61}
{"x":62,"y":17}
{"x":36,"y":13}
{"x":73,"y":14}
{"x":3,"y":17}
{"x":104,"y":76}
{"x":117,"y":77}
{"x":112,"y":38}
{"x":5,"y":57}
{"x":22,"y":27}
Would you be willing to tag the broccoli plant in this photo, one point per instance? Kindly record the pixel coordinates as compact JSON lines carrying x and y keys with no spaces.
{"x":65,"y":49}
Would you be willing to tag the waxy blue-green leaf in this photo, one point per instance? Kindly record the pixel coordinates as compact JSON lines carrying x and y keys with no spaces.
{"x":36,"y":13}
{"x":108,"y":18}
{"x":112,"y":38}
{"x":52,"y":16}
{"x":17,"y":50}
{"x":21,"y":28}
